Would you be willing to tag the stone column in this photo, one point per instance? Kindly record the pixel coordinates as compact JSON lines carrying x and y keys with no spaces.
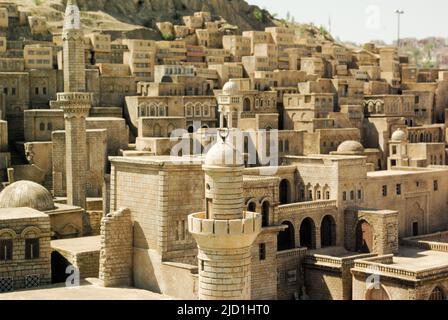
{"x":76,"y":108}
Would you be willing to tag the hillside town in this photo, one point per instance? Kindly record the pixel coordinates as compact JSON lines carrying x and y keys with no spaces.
{"x":217,"y":164}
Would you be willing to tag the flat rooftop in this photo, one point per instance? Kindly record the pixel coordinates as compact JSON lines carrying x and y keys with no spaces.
{"x":414,"y":171}
{"x":89,"y":289}
{"x":78,"y":245}
{"x":20,"y":213}
{"x":159,"y":160}
{"x":335,"y":252}
{"x":415,"y":259}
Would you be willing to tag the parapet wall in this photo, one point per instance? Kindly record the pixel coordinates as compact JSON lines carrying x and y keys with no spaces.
{"x":116,"y":249}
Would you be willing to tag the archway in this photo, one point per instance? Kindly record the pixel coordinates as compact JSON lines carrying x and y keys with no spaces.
{"x":437,"y":294}
{"x":328,"y":232}
{"x":246,"y":104}
{"x":364,"y":237}
{"x":285,"y":238}
{"x":284,"y":191}
{"x":377,"y":294}
{"x":307,"y":232}
{"x":251,"y":206}
{"x":59,"y":266}
{"x":157,"y":131}
{"x":265,"y":213}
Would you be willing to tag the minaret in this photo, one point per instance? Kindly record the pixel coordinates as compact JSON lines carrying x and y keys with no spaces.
{"x":74,"y":55}
{"x":75,"y":103}
{"x":230,"y":103}
{"x":224,"y":232}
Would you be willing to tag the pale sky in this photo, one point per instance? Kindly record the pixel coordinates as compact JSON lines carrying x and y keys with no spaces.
{"x":365,"y":20}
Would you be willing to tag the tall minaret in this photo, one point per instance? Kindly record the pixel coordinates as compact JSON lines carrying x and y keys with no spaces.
{"x":74,"y":55}
{"x":75,"y":103}
{"x":224,"y":233}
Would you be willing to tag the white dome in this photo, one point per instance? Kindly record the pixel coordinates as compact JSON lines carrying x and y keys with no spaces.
{"x":230,"y":87}
{"x":223,"y":154}
{"x":26,"y":194}
{"x":399,"y":135}
{"x":350,"y":146}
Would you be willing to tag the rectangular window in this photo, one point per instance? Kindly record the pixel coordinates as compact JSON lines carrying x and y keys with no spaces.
{"x":344,"y":196}
{"x":398,"y":187}
{"x":31,"y":249}
{"x":262,"y":251}
{"x":359,"y":194}
{"x":36,"y":91}
{"x":292,"y":276}
{"x":436,"y":185}
{"x":352,"y":195}
{"x":5,"y":250}
{"x":394,"y":149}
{"x":384,"y":191}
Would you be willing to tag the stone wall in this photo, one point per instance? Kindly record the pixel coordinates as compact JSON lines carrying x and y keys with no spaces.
{"x":18,"y":225}
{"x":116,"y":249}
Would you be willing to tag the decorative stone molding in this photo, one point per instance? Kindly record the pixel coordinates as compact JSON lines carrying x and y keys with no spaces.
{"x":30,"y":233}
{"x":12,"y":234}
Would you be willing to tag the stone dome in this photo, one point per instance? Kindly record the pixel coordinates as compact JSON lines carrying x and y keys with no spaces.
{"x":399,"y":135}
{"x":230,"y":88}
{"x":26,"y":194}
{"x":350,"y":146}
{"x":223,"y":154}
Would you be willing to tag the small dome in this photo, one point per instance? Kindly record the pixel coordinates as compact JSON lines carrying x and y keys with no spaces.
{"x":399,"y":135}
{"x":26,"y":194}
{"x":230,"y":88}
{"x":223,"y":154}
{"x":350,"y":146}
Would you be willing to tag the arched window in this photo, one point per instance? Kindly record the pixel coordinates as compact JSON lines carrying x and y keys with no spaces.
{"x":437,"y":294}
{"x":307,"y":232}
{"x":246,"y":104}
{"x":251,"y":206}
{"x":157,"y":130}
{"x":284,"y":192}
{"x":42,"y":126}
{"x":285,"y":238}
{"x":170,"y":129}
{"x":265,"y":213}
{"x":328,"y":232}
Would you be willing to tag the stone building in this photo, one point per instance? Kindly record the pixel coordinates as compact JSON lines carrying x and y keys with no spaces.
{"x":298,"y":168}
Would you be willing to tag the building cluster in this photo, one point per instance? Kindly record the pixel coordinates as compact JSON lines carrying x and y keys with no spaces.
{"x":352,"y":180}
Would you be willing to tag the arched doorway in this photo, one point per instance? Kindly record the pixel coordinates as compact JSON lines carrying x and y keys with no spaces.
{"x":364,"y":237}
{"x":437,"y":294}
{"x":265,"y":213}
{"x":284,"y":191}
{"x":252,"y":206}
{"x":285,"y":238}
{"x":59,"y":266}
{"x":307,"y":232}
{"x":190,"y":129}
{"x":328,"y":232}
{"x":377,"y":294}
{"x":246,"y":104}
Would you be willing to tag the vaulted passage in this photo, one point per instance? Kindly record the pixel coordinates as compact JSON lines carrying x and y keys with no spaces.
{"x":364,"y":237}
{"x":285,"y":239}
{"x":307,"y":232}
{"x":328,"y":232}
